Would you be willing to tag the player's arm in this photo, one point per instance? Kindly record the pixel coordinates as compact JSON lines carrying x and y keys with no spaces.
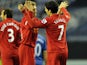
{"x":62,"y":5}
{"x":24,"y":10}
{"x":35,"y":22}
{"x":62,"y":10}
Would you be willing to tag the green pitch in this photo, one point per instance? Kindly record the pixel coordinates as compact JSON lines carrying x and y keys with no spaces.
{"x":0,"y":62}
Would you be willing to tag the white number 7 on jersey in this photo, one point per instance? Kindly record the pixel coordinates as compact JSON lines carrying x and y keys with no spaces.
{"x":61,"y":32}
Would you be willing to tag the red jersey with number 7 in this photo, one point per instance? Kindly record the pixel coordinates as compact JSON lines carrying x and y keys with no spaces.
{"x":9,"y":35}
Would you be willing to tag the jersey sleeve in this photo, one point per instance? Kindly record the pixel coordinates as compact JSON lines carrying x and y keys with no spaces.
{"x":40,"y":23}
{"x":66,"y":14}
{"x":28,"y":18}
{"x":35,"y":22}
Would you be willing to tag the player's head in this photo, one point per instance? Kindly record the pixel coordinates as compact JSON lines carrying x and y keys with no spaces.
{"x":51,"y":7}
{"x":32,"y":6}
{"x":6,"y":13}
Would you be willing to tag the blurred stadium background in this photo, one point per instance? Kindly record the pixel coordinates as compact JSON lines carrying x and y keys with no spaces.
{"x":76,"y":31}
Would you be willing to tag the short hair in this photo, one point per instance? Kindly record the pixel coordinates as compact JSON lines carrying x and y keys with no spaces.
{"x":52,"y":5}
{"x":9,"y":13}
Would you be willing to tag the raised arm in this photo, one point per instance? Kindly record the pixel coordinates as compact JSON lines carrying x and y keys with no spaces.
{"x":62,"y":10}
{"x":62,"y":5}
{"x":27,"y":13}
{"x":33,"y":22}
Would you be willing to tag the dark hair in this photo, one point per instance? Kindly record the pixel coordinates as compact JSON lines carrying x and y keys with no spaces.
{"x":33,"y":0}
{"x":8,"y":12}
{"x":53,"y":6}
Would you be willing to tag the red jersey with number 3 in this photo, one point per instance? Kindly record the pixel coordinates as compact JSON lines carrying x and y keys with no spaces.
{"x":9,"y":35}
{"x":55,"y":26}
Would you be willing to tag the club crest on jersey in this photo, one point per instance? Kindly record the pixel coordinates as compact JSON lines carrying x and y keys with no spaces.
{"x":44,"y":21}
{"x":59,"y":20}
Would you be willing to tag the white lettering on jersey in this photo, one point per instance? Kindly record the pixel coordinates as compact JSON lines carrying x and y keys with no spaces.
{"x":9,"y":24}
{"x":44,"y":21}
{"x":59,"y":20}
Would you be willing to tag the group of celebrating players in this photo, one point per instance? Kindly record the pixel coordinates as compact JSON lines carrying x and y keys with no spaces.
{"x":17,"y":40}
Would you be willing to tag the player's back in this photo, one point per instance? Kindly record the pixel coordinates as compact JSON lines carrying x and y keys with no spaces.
{"x":9,"y":34}
{"x":39,"y":49}
{"x":56,"y":32}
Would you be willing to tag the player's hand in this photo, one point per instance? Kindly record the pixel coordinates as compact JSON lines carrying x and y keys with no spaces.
{"x":27,"y":4}
{"x":63,"y":4}
{"x":20,"y":7}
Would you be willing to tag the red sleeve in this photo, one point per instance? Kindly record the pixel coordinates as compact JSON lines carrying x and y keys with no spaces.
{"x":66,"y":13}
{"x":28,"y":18}
{"x":39,"y":23}
{"x":35,"y":22}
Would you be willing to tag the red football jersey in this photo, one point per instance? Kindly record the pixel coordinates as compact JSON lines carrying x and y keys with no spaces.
{"x":55,"y":26}
{"x":29,"y":34}
{"x":9,"y":34}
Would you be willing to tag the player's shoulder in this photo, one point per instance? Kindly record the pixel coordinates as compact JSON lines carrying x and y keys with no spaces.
{"x":49,"y":18}
{"x":35,"y":19}
{"x":16,"y":22}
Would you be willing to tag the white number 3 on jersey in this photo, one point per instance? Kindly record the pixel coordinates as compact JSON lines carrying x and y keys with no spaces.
{"x":11,"y":35}
{"x":61,"y":32}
